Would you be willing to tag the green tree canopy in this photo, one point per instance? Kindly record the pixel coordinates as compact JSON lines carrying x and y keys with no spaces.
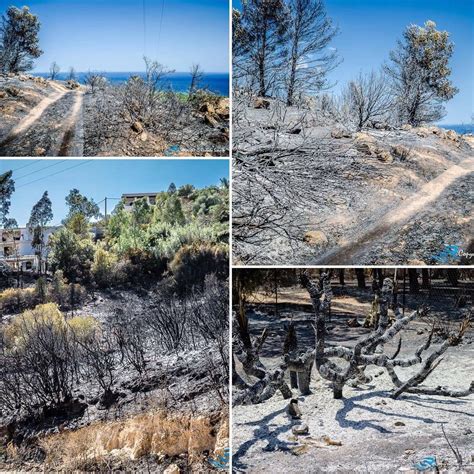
{"x":420,"y":73}
{"x":19,"y":41}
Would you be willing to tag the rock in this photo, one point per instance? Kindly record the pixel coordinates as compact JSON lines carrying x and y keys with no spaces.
{"x":210,"y":119}
{"x":400,"y":151}
{"x":452,"y":135}
{"x":137,"y":127}
{"x":172,"y":469}
{"x":207,"y":108}
{"x":39,"y":151}
{"x":423,"y":132}
{"x":261,"y":103}
{"x":13,"y":91}
{"x":3,"y":94}
{"x":295,"y":131}
{"x":383,"y":155}
{"x":144,"y":136}
{"x":406,"y":127}
{"x":72,"y":84}
{"x":399,"y":423}
{"x":293,"y":409}
{"x":467,"y":431}
{"x":340,"y":133}
{"x":315,"y":237}
{"x":301,"y":429}
{"x":223,"y":109}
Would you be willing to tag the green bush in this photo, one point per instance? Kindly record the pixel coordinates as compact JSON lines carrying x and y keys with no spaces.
{"x":192,"y":263}
{"x":13,"y":300}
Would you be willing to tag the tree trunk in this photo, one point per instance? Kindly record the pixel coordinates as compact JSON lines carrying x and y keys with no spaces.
{"x":453,"y":275}
{"x":360,"y":278}
{"x":341,"y":277}
{"x":413,"y":280}
{"x":425,"y":278}
{"x":337,"y":391}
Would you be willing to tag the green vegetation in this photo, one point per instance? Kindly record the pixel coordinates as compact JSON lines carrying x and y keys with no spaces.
{"x":186,"y":227}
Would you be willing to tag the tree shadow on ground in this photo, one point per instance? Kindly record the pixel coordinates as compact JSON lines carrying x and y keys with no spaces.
{"x":263,"y":432}
{"x":448,"y":401}
{"x":353,"y":403}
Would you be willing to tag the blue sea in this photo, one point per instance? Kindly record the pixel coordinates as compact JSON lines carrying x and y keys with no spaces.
{"x":462,"y":128}
{"x":178,"y":81}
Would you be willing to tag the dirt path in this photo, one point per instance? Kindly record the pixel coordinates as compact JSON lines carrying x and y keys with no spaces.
{"x":52,"y":128}
{"x":348,"y":253}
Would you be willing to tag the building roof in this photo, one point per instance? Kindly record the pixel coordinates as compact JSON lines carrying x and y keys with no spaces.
{"x":139,"y":194}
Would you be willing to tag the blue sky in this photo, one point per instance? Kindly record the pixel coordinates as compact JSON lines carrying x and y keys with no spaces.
{"x":98,"y":179}
{"x":369,"y":29}
{"x":111,"y":35}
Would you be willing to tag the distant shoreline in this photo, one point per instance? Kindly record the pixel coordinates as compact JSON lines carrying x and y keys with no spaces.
{"x":460,"y":128}
{"x":216,"y":82}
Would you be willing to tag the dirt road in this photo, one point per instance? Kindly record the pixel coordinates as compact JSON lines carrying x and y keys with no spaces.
{"x":52,"y":128}
{"x":393,"y":219}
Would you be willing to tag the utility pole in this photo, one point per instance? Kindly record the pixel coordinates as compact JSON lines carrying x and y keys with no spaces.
{"x":106,"y":210}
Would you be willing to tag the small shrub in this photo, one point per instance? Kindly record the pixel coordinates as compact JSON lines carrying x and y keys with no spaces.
{"x":103,"y":267}
{"x":13,"y":300}
{"x":19,"y":330}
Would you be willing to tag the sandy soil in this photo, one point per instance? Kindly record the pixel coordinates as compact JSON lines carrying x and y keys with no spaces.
{"x":377,"y":434}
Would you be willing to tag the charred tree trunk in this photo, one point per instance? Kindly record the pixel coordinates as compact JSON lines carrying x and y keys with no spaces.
{"x":360,"y":274}
{"x":425,"y":278}
{"x":413,"y":280}
{"x":453,"y":276}
{"x":341,"y":277}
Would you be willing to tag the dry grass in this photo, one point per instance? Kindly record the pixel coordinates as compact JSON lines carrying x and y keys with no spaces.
{"x":150,"y":434}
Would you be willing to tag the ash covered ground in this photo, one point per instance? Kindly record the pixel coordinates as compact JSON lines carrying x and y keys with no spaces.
{"x":309,"y":191}
{"x":368,"y":431}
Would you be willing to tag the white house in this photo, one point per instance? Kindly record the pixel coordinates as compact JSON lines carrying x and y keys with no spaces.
{"x":16,"y":248}
{"x":129,"y":199}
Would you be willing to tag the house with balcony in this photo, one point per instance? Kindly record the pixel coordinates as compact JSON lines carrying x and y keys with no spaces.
{"x":130,"y":199}
{"x":16,"y":249}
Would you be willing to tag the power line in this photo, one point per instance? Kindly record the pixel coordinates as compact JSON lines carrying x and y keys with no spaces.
{"x":26,"y":166}
{"x":54,"y":174}
{"x":144,"y":28}
{"x":160,"y":28}
{"x":41,"y":169}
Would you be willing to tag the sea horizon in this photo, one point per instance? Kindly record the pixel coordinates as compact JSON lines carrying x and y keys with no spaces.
{"x":216,"y":82}
{"x":460,"y":128}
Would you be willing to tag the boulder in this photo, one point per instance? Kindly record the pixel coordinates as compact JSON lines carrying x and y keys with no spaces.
{"x":3,"y":94}
{"x":207,"y":108}
{"x":340,"y":133}
{"x":72,"y":84}
{"x":315,"y":237}
{"x":137,"y":127}
{"x":301,"y":429}
{"x":39,"y":151}
{"x":383,"y":155}
{"x":400,"y":151}
{"x":210,"y":119}
{"x":223,"y":109}
{"x":452,"y":135}
{"x":406,"y":127}
{"x":13,"y":91}
{"x":172,"y":469}
{"x":261,"y":103}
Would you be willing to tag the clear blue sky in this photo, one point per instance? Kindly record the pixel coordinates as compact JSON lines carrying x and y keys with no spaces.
{"x":112,"y":35}
{"x":98,"y":179}
{"x":369,"y":29}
